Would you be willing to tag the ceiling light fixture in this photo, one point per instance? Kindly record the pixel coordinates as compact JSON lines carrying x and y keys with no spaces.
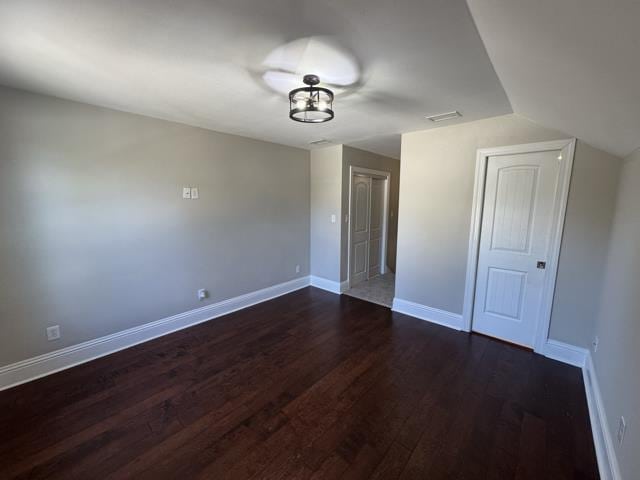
{"x":311,"y":104}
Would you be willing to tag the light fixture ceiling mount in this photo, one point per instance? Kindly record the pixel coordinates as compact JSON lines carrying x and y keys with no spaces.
{"x":311,"y":104}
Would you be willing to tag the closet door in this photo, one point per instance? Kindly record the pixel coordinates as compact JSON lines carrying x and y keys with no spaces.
{"x":517,"y":220}
{"x":376,"y":226}
{"x":360,"y":228}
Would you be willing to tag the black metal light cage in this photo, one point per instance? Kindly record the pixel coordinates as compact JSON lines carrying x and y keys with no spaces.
{"x":311,"y":104}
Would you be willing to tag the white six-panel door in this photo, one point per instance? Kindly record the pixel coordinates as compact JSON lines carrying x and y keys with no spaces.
{"x":360,"y":223}
{"x":517,"y":220}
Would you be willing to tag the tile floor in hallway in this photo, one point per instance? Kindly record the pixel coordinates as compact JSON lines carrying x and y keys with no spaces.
{"x":378,"y":290}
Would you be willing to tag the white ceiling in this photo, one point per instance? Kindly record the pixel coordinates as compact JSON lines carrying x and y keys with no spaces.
{"x":573,"y":65}
{"x":202,"y":62}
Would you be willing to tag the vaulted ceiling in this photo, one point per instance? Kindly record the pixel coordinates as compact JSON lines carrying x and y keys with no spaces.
{"x":572,"y":65}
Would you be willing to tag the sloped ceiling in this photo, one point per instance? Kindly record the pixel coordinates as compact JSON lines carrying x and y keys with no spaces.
{"x":226,"y":65}
{"x":572,"y":65}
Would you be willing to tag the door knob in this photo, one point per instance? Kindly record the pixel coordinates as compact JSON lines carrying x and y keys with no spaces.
{"x":542,"y":265}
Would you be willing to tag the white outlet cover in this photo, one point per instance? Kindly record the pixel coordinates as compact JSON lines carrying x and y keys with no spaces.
{"x":297,"y":268}
{"x":186,"y":192}
{"x":333,"y":219}
{"x":53,"y":333}
{"x":202,"y":294}
{"x":194,"y":193}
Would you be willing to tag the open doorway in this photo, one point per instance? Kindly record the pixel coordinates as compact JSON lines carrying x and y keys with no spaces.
{"x":368,"y":274}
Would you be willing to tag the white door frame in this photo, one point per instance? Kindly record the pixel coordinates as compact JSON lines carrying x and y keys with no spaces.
{"x":567,"y":148}
{"x":353,"y":170}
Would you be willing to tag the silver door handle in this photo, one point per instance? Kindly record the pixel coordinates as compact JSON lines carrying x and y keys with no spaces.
{"x":542,"y":265}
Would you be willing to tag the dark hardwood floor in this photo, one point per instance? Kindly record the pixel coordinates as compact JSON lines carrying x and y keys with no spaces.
{"x":309,"y":385}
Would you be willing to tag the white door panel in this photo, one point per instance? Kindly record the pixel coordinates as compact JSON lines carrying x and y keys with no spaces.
{"x":520,"y":191}
{"x":505,"y":293}
{"x":359,"y":259}
{"x":513,"y":215}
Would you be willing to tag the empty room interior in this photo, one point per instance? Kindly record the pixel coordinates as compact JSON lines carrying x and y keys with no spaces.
{"x":295,"y":239}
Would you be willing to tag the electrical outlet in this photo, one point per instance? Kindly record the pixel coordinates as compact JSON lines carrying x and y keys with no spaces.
{"x":333,"y":218}
{"x":297,"y":268}
{"x":53,"y":333}
{"x":186,"y":193}
{"x":622,"y":429}
{"x":595,"y":343}
{"x":195,"y":195}
{"x":202,"y":294}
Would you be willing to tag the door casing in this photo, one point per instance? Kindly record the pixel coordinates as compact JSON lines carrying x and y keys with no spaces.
{"x":567,"y":150}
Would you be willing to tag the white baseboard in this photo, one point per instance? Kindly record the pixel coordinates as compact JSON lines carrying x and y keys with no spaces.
{"x":48,"y":363}
{"x":566,"y":353}
{"x":433,"y":315}
{"x":328,"y":285}
{"x":602,"y":439}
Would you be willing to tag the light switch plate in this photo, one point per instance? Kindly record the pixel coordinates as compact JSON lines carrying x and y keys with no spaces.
{"x":194,"y":193}
{"x":333,"y":219}
{"x":186,"y":192}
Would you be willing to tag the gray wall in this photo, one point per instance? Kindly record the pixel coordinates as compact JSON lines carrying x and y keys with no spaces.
{"x":583,"y":252}
{"x":94,"y":235}
{"x":436,"y":190}
{"x":361,"y":158}
{"x":326,"y":191}
{"x":618,"y":322}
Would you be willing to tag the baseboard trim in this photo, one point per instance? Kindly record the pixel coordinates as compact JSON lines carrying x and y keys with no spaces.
{"x":48,"y":363}
{"x":602,"y":439}
{"x":328,"y":285}
{"x":430,"y":314}
{"x":566,"y":353}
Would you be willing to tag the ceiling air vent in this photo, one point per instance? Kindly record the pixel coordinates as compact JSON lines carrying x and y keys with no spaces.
{"x":320,"y":142}
{"x":441,"y":117}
